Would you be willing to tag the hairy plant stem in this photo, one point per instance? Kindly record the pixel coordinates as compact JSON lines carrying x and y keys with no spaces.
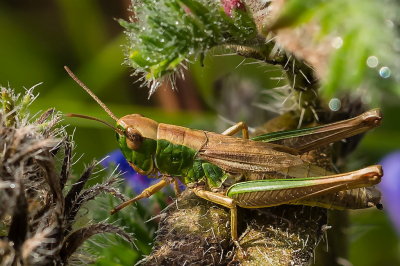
{"x":299,"y":75}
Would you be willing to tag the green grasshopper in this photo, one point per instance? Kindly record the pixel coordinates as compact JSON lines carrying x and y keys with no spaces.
{"x":250,"y":173}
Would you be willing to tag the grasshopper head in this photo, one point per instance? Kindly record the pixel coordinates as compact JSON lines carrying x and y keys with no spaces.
{"x":137,"y":139}
{"x":136,"y":135}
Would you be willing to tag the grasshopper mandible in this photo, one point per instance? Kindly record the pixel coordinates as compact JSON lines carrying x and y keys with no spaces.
{"x":250,"y":173}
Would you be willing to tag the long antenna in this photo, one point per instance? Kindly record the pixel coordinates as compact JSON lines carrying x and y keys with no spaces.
{"x":91,"y":93}
{"x":119,"y":131}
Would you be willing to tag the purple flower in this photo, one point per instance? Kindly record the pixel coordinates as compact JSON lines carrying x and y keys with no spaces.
{"x":135,"y":181}
{"x":390,"y":187}
{"x":230,"y":5}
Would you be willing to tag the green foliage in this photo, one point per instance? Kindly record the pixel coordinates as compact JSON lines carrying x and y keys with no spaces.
{"x":165,"y":33}
{"x":360,"y":30}
{"x":136,"y":219}
{"x":14,"y":108}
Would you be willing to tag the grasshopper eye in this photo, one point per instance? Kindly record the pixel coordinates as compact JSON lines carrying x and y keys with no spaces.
{"x":134,"y":139}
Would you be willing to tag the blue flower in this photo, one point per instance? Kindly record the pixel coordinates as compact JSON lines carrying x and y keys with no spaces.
{"x":135,"y":181}
{"x":390,"y":187}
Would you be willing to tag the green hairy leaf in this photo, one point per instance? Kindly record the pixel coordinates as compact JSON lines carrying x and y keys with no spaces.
{"x":164,"y":34}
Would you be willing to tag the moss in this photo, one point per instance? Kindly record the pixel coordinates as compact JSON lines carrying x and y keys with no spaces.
{"x":194,"y":231}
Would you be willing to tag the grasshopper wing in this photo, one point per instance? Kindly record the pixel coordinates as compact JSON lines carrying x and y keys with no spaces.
{"x":240,"y":155}
{"x":307,"y":139}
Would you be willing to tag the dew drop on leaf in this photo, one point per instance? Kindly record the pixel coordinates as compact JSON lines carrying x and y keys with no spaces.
{"x":372,"y":61}
{"x":335,"y":104}
{"x":384,"y":72}
{"x":337,"y":42}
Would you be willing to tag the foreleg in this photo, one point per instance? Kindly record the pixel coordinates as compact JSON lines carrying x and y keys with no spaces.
{"x":145,"y":194}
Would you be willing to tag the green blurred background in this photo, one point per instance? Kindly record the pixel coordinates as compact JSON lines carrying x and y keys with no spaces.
{"x":37,"y":38}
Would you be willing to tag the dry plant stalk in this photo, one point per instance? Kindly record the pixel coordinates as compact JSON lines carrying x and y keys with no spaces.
{"x":37,"y":213}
